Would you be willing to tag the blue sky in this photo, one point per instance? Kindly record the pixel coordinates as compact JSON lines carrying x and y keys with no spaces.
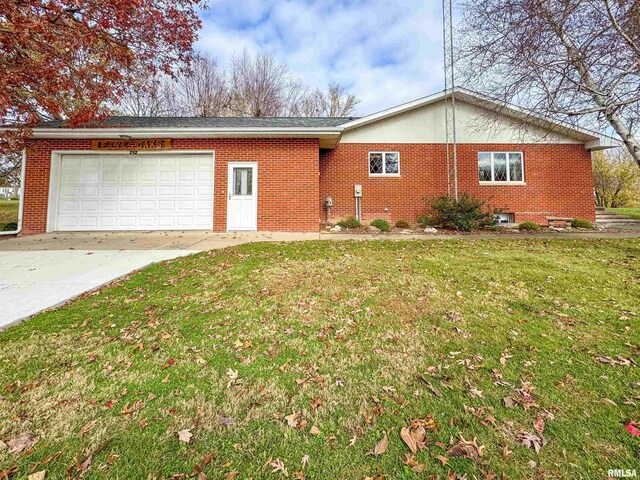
{"x":385,"y":52}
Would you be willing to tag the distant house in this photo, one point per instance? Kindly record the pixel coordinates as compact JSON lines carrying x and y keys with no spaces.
{"x":275,"y":174}
{"x":7,"y":192}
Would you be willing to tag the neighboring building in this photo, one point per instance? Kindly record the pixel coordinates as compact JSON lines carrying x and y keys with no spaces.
{"x":7,"y":192}
{"x":274,"y":174}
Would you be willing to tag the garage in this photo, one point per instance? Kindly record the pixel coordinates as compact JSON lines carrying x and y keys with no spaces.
{"x":94,"y":192}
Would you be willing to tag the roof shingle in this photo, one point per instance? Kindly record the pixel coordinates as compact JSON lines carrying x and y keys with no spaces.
{"x":207,"y":122}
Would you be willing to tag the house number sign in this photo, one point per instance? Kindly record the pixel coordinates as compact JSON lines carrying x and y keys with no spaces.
{"x":132,"y":145}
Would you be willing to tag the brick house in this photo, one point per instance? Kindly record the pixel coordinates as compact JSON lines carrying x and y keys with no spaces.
{"x":275,"y":174}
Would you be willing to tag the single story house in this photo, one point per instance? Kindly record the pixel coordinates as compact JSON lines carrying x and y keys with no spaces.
{"x":275,"y":174}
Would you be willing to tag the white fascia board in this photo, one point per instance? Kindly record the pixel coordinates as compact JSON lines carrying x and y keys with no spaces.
{"x":53,"y":133}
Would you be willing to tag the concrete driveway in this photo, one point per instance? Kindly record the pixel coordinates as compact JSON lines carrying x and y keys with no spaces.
{"x":43,"y":271}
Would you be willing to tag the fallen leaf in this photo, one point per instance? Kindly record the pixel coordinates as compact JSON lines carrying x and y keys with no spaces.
{"x":506,"y":453}
{"x":413,"y":464}
{"x":607,"y":401}
{"x":231,"y":475}
{"x":444,"y":460}
{"x":292,"y":420}
{"x":632,"y":430}
{"x":380,"y":447}
{"x":88,"y":427}
{"x":314,"y":430}
{"x":530,"y":440}
{"x":538,"y":424}
{"x":405,"y":434}
{"x":197,"y":470}
{"x":22,"y":442}
{"x":185,"y":435}
{"x":38,"y":475}
{"x":508,"y":402}
{"x":467,"y":449}
{"x":226,"y":421}
{"x":304,"y":461}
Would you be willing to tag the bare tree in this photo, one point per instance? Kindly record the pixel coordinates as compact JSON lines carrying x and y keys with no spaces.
{"x":575,"y":60}
{"x":151,"y":97}
{"x":334,"y":102}
{"x":251,"y":86}
{"x":204,"y":92}
{"x":262,"y":87}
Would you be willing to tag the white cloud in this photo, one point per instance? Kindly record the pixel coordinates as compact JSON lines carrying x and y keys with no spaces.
{"x":384,"y":52}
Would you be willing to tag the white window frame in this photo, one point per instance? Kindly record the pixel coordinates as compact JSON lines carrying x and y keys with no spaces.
{"x":508,"y":181}
{"x":384,"y":164}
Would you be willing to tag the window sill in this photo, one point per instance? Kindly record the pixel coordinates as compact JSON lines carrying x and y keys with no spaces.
{"x":384,"y":175}
{"x":502,"y":183}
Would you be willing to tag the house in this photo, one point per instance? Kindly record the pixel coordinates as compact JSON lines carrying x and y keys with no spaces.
{"x":6,"y":192}
{"x":275,"y":174}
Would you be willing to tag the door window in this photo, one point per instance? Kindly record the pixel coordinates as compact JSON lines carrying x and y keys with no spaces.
{"x":243,"y":181}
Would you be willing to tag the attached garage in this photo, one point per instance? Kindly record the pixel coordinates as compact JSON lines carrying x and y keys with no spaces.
{"x":159,"y":191}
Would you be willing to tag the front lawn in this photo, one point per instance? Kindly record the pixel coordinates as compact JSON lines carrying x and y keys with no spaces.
{"x":311,"y":357}
{"x":630,"y":212}
{"x":9,"y":215}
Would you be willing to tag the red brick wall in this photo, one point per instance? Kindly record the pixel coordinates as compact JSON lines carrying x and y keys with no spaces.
{"x":287,"y":179}
{"x":558,"y":178}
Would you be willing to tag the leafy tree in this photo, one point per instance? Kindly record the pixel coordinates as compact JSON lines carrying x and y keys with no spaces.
{"x":576,"y":60}
{"x":616,"y":180}
{"x":68,"y":59}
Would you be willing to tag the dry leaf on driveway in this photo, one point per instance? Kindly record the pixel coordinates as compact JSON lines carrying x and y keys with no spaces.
{"x":185,"y":435}
{"x":380,"y":447}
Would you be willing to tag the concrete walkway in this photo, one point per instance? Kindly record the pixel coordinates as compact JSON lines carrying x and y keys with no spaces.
{"x":44,"y":271}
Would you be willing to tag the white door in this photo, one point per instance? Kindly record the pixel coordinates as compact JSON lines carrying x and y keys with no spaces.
{"x":242,"y":198}
{"x":135,"y":192}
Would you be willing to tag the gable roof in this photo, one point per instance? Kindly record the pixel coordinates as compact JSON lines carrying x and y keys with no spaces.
{"x":592,"y":140}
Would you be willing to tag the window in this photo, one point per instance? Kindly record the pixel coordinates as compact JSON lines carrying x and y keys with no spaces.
{"x":242,"y":181}
{"x":384,"y":163}
{"x":500,"y":167}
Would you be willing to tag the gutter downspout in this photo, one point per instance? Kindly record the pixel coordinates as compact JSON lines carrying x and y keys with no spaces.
{"x":22,"y":191}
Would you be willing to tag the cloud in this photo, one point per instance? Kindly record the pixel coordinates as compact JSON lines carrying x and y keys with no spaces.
{"x":384,"y":52}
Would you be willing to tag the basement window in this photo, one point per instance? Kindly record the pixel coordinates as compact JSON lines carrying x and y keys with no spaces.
{"x":501,"y":167}
{"x":384,"y":164}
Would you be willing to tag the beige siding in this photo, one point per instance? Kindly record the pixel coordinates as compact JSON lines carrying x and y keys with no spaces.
{"x":474,"y":125}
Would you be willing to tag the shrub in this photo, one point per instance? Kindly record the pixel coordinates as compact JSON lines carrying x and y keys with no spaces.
{"x":349,"y":222}
{"x":529,"y":227}
{"x":467,"y":214}
{"x":380,"y":224}
{"x":581,"y":223}
{"x":423,"y":221}
{"x":402,"y":224}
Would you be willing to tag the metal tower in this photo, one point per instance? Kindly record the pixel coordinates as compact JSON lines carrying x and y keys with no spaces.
{"x":449,"y":103}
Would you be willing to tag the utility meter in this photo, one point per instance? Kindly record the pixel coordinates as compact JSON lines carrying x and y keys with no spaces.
{"x":357,"y":191}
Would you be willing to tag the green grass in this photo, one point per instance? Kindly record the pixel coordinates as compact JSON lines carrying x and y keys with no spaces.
{"x":631,"y":212}
{"x":372,"y":332}
{"x":9,"y":215}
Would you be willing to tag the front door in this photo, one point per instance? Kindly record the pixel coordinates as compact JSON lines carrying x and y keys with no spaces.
{"x":242,"y":196}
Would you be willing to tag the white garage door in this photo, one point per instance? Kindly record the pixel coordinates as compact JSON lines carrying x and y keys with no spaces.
{"x":135,"y":192}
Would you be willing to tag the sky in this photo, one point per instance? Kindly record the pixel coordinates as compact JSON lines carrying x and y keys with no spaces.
{"x":385,"y":52}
